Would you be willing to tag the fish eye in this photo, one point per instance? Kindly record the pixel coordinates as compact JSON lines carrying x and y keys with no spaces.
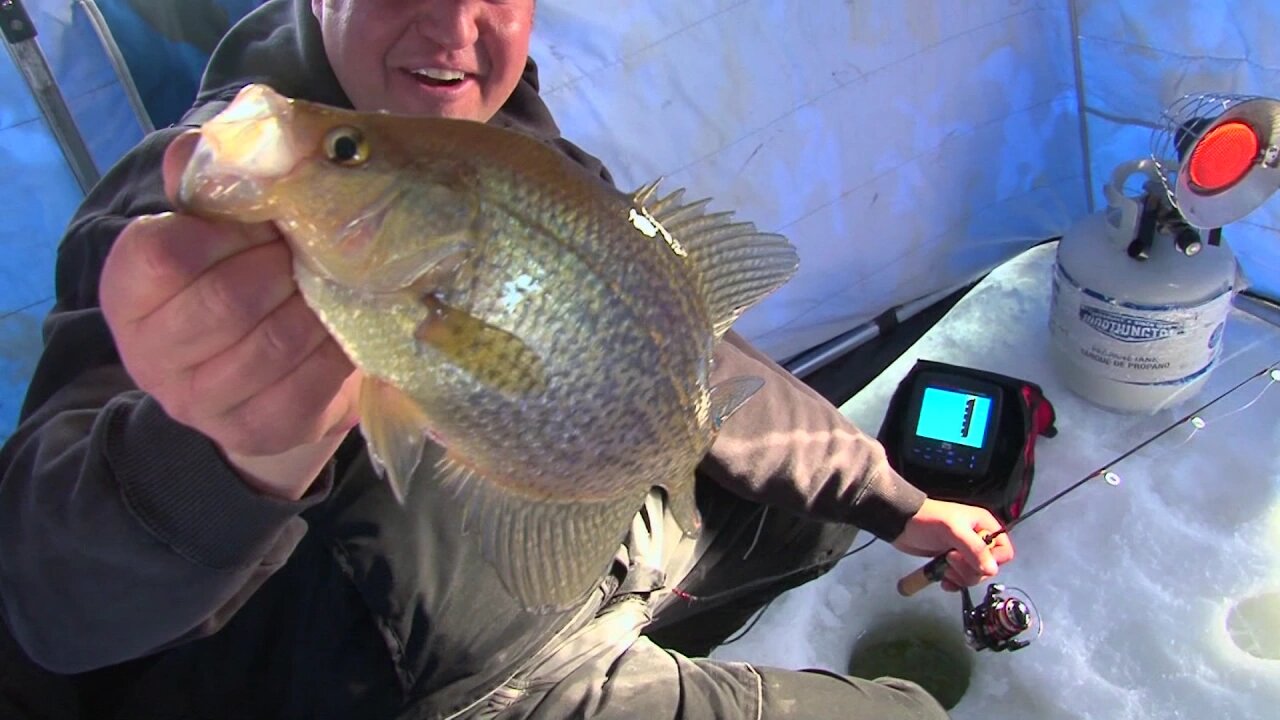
{"x":346,"y":146}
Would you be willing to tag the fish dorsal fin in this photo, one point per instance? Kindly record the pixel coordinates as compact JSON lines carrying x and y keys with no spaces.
{"x":738,"y":265}
{"x":548,"y":554}
{"x":728,"y":396}
{"x":641,"y":196}
{"x":395,"y":429}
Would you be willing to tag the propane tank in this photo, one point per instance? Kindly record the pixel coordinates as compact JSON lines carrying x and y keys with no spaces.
{"x":1138,"y":330}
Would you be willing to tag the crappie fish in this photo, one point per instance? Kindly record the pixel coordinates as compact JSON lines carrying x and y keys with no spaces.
{"x":554,"y":335}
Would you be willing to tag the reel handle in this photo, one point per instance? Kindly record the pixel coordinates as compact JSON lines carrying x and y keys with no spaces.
{"x":927,"y":574}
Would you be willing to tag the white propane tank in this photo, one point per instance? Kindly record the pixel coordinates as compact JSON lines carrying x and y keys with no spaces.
{"x":1136,"y":335}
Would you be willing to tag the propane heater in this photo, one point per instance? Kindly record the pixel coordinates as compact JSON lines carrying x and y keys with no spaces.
{"x":1141,"y":290}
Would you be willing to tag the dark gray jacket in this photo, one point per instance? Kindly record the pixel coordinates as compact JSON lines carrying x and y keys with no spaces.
{"x":140,"y":578}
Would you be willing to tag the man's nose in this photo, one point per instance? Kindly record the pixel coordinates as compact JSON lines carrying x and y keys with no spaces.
{"x":452,"y":24}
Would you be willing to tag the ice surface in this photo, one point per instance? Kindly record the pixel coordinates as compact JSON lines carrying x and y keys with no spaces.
{"x":1160,"y":596}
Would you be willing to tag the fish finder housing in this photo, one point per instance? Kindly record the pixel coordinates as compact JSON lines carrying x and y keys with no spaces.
{"x":952,"y":422}
{"x":967,"y":435}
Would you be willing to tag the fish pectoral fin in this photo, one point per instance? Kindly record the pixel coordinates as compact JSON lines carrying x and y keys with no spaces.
{"x":490,"y":354}
{"x":395,"y":429}
{"x":548,"y":554}
{"x":728,"y":396}
{"x":738,"y":265}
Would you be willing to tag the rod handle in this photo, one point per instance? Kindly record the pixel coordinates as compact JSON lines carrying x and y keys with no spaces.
{"x":927,"y":574}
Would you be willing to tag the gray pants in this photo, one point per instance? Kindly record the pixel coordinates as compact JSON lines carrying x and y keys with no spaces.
{"x":630,"y":657}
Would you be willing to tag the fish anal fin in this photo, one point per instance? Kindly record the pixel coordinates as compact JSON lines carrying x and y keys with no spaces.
{"x":549,"y":555}
{"x":490,"y":354}
{"x":395,"y":429}
{"x":683,"y":505}
{"x":738,"y":265}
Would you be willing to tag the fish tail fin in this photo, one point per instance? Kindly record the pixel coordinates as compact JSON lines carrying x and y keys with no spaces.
{"x":549,"y":555}
{"x":738,"y":264}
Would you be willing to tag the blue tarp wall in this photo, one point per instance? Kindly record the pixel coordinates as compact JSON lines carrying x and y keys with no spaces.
{"x":905,"y":146}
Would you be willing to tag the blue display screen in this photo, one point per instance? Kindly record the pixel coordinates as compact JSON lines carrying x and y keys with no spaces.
{"x":954,"y":417}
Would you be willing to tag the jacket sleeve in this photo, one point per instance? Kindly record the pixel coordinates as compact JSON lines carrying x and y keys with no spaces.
{"x":121,"y":531}
{"x":788,"y":446}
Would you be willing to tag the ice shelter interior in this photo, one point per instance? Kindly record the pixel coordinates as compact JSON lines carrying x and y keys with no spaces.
{"x":909,"y":149}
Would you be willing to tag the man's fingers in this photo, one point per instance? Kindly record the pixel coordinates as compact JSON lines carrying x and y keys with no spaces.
{"x":976,"y":553}
{"x":1002,"y":548}
{"x":156,"y":257}
{"x":221,"y":307}
{"x":314,"y":390}
{"x":962,"y":571}
{"x":270,"y":352}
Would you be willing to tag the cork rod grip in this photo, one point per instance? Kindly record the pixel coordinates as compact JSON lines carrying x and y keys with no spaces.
{"x":929,"y":573}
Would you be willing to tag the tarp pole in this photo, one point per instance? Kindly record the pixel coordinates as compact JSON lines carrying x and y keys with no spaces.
{"x":108,"y":41}
{"x":1081,"y":103}
{"x":812,"y":360}
{"x":20,"y":39}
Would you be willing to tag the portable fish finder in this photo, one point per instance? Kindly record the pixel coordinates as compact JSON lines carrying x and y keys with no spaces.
{"x":952,"y":422}
{"x":967,"y":435}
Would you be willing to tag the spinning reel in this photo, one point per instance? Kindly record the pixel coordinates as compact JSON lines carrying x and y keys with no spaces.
{"x":996,"y":622}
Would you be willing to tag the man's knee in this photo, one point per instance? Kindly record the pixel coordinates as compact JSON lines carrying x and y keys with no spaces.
{"x":822,"y":694}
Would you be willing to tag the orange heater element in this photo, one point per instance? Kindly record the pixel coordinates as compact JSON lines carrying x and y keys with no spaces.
{"x":1223,"y":157}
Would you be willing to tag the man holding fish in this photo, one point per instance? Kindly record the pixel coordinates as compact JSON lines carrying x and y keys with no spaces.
{"x":192,"y":526}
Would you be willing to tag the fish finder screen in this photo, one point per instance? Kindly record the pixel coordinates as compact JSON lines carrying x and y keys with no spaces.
{"x":954,"y":417}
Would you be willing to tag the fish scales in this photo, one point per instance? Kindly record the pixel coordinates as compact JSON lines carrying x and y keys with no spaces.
{"x":612,"y":275}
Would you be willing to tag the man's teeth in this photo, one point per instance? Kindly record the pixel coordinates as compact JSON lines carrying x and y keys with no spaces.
{"x":441,"y":75}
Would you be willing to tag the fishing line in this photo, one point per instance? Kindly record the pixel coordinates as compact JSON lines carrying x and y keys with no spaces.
{"x":1199,"y":423}
{"x":691,"y":598}
{"x":1192,"y":416}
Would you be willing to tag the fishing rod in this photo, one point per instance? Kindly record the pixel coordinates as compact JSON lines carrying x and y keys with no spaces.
{"x":934,"y":570}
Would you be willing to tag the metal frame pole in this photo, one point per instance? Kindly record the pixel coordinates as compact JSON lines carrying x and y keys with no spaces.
{"x":20,"y":39}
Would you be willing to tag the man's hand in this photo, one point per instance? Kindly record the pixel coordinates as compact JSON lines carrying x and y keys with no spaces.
{"x":957,"y":530}
{"x":209,"y":322}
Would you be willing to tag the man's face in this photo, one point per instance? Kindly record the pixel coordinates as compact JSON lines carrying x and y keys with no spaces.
{"x":442,"y":58}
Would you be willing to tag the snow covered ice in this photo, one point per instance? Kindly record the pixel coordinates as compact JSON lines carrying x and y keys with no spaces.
{"x":1160,"y":596}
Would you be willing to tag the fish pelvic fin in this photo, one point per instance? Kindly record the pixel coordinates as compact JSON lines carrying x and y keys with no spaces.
{"x":395,"y":429}
{"x":738,"y":264}
{"x":490,"y":354}
{"x":548,"y":554}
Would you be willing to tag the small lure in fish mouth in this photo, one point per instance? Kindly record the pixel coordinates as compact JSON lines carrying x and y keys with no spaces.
{"x":251,"y":142}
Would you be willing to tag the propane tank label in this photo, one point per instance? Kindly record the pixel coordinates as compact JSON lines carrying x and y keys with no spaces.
{"x":1132,"y":344}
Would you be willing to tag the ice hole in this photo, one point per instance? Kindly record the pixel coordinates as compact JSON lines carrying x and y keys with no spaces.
{"x":1254,"y":625}
{"x":925,"y":649}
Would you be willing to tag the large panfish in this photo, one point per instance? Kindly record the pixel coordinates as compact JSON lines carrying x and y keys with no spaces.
{"x":553,"y":334}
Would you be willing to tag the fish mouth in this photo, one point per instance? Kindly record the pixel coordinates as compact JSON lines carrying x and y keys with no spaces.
{"x":208,"y":189}
{"x":240,"y":151}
